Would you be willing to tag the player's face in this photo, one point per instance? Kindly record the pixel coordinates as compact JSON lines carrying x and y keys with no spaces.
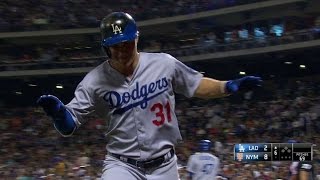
{"x":123,"y":52}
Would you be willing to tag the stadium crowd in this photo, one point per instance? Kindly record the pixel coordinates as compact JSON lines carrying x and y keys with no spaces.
{"x":35,"y":15}
{"x":32,"y":149}
{"x":49,"y":56}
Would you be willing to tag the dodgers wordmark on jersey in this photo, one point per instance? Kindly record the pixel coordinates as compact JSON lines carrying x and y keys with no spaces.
{"x":139,"y":110}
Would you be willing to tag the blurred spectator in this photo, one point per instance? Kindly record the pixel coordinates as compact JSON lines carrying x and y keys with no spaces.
{"x":42,"y":15}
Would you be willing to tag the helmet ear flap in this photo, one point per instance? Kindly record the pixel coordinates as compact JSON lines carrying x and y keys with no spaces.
{"x":107,"y":51}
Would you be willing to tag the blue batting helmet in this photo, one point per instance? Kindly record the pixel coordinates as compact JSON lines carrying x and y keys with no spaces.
{"x":205,"y":145}
{"x":292,"y":141}
{"x":118,"y":27}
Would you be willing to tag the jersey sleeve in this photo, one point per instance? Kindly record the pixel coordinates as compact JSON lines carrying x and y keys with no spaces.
{"x":217,"y":165}
{"x":294,"y":168}
{"x":81,"y":105}
{"x":191,"y":165}
{"x":186,"y":80}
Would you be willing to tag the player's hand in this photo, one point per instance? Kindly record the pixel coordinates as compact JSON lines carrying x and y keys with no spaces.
{"x":247,"y":82}
{"x":50,"y":104}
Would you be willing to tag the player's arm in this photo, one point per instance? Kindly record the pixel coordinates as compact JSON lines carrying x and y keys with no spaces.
{"x":189,"y":175}
{"x":190,"y":169}
{"x":305,"y":171}
{"x":190,"y":83}
{"x":294,"y":170}
{"x":212,"y":88}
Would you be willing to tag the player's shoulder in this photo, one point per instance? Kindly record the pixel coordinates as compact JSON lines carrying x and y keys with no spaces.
{"x":207,"y":156}
{"x":158,"y":57}
{"x":192,"y":158}
{"x":93,"y":75}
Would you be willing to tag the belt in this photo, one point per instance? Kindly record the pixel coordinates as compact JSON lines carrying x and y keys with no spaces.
{"x":152,"y":163}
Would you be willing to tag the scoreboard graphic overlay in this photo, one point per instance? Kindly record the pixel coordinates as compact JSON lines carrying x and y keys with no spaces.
{"x":273,"y":152}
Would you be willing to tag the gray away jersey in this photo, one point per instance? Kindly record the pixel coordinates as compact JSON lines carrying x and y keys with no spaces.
{"x":139,"y":111}
{"x":203,"y":166}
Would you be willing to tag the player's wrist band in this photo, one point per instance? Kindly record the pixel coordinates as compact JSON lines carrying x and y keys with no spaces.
{"x":149,"y":164}
{"x":223,"y":87}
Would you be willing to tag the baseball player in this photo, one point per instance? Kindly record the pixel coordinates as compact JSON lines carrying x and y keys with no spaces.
{"x":302,"y":171}
{"x":203,"y":165}
{"x":135,"y":92}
